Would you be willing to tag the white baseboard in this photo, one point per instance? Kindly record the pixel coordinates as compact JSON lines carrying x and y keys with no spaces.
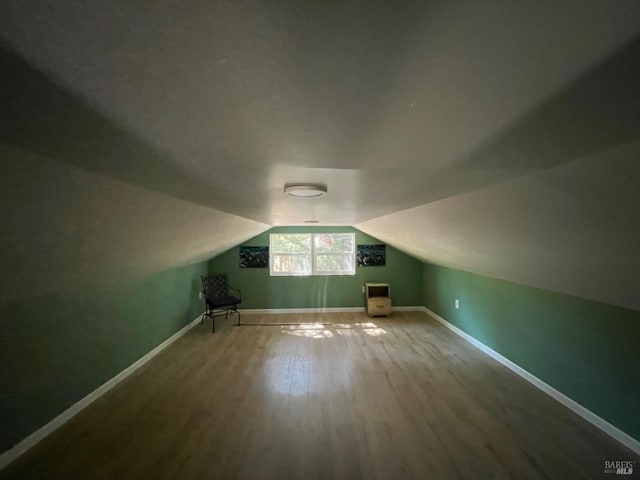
{"x":407,"y":309}
{"x":268,"y":311}
{"x":8,"y":456}
{"x":25,"y":444}
{"x":611,"y":430}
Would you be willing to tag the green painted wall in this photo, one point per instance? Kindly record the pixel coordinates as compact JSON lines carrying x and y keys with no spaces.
{"x":260,"y":290}
{"x":57,"y":348}
{"x":589,"y":351}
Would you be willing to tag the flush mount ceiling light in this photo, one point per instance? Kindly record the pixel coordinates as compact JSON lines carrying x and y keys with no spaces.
{"x":305,"y":190}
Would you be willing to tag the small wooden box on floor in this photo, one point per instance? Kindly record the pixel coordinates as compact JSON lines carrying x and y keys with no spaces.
{"x":377,"y":299}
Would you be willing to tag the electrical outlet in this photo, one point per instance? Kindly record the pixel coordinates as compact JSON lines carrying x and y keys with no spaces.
{"x":200,"y":295}
{"x":457,"y":303}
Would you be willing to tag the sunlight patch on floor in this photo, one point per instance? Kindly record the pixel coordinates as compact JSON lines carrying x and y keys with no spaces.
{"x":309,"y":333}
{"x":317,"y":331}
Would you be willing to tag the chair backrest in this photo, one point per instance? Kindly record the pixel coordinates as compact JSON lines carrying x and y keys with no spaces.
{"x":215,"y":285}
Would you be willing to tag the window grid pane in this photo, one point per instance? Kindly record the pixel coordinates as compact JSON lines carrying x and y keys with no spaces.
{"x":312,"y":254}
{"x":334,"y":263}
{"x":297,"y":264}
{"x":333,"y":242}
{"x":291,"y":243}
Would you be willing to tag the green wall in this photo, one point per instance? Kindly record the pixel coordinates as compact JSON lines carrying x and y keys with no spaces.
{"x":589,"y":351}
{"x":57,"y":348}
{"x":260,"y":290}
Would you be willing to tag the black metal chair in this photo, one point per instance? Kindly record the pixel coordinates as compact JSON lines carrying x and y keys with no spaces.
{"x":219,"y":298}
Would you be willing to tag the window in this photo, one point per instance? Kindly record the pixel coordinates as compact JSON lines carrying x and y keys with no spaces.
{"x":312,"y":254}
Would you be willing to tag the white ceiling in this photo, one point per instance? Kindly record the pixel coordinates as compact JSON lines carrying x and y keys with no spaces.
{"x":497,"y":137}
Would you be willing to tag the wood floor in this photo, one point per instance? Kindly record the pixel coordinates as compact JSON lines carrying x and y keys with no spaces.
{"x":359,"y":398}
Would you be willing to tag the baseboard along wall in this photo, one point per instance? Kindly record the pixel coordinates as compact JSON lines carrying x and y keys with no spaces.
{"x":28,"y":442}
{"x":10,"y":455}
{"x":268,"y":311}
{"x":611,"y":430}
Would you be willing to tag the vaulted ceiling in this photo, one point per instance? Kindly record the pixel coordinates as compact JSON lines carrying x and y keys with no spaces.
{"x":497,"y":137}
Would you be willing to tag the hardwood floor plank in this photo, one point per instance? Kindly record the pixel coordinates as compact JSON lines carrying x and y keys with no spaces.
{"x":360,"y":398}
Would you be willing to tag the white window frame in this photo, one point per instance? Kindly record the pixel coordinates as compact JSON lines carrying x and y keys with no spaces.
{"x":313,"y":256}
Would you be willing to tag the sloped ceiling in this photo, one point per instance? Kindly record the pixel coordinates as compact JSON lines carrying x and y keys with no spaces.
{"x":67,"y":228}
{"x":497,"y":137}
{"x":572,"y":228}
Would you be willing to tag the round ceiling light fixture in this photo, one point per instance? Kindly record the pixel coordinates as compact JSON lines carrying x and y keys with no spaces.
{"x":305,"y":190}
